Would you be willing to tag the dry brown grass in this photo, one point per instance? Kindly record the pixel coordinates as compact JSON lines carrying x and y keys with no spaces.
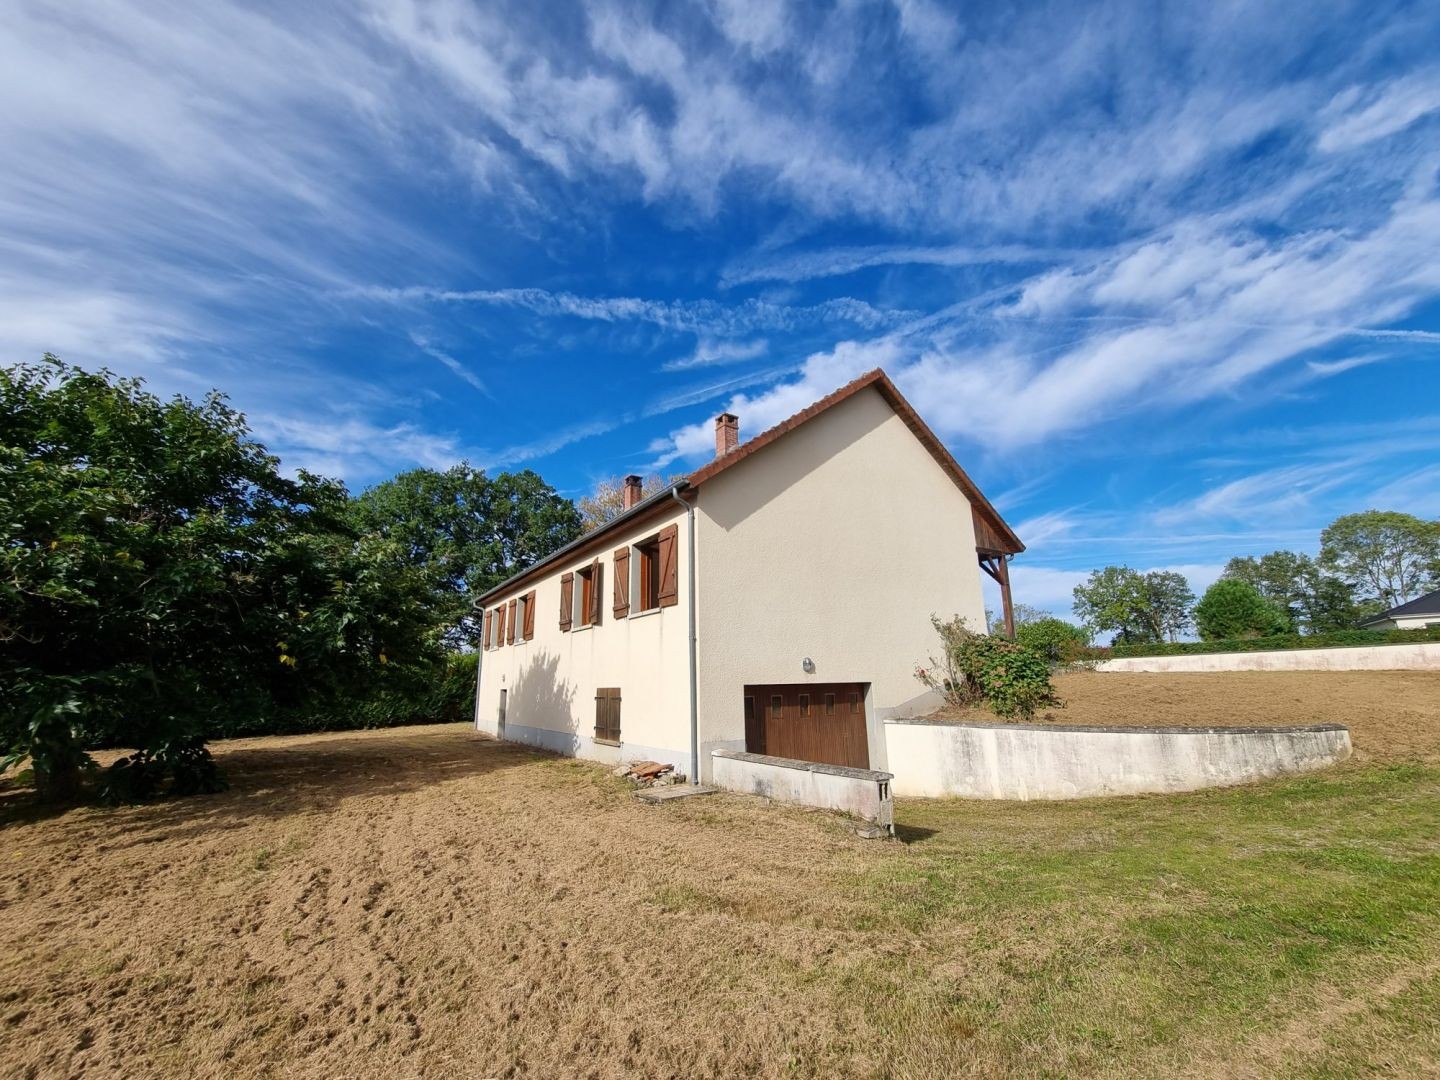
{"x":426,"y":902}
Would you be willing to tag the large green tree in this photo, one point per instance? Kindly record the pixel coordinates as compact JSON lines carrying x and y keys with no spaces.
{"x":158,"y":575}
{"x":467,"y":532}
{"x":1232,"y":608}
{"x":1312,"y":599}
{"x":1389,"y":557}
{"x":1153,"y":606}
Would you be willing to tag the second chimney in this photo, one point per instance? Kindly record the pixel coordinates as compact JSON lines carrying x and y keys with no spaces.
{"x":632,"y":491}
{"x":727,"y":433}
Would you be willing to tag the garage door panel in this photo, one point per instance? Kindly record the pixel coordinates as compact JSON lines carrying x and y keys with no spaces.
{"x":822,"y":722}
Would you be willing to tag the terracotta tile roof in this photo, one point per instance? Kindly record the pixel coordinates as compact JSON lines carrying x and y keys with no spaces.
{"x":991,"y":532}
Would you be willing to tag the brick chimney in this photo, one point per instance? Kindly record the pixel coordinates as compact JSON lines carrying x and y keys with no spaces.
{"x":632,"y":491}
{"x":727,"y":433}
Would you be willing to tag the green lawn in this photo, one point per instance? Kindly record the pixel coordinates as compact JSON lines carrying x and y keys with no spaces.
{"x":1292,"y":926}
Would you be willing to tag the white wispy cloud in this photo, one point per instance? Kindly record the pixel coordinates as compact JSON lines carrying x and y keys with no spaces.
{"x":459,"y":370}
{"x":705,"y":317}
{"x":1362,"y":114}
{"x":834,"y":262}
{"x":711,"y":353}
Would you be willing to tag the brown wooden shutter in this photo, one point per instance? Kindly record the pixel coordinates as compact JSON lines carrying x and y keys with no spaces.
{"x":489,"y":625}
{"x":500,"y":626}
{"x":530,"y":615}
{"x":597,"y":578}
{"x":622,"y":582}
{"x":567,"y":599}
{"x":510,"y":625}
{"x":669,"y":566}
{"x":607,"y":714}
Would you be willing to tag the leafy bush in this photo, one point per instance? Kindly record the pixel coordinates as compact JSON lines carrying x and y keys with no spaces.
{"x":1055,"y":639}
{"x":1333,"y":639}
{"x":1232,"y":608}
{"x":1007,"y":677}
{"x":186,"y":763}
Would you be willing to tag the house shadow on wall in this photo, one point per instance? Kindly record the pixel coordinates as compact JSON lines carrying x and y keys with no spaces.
{"x":541,"y":701}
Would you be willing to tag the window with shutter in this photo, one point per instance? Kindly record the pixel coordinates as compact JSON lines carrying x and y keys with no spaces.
{"x":510,"y":625}
{"x":607,"y":715}
{"x":500,"y":626}
{"x":597,"y":580}
{"x":622,"y":582}
{"x":587,"y":595}
{"x":567,"y":592}
{"x":669,"y":568}
{"x":647,"y":577}
{"x":486,"y":640}
{"x":529,"y":615}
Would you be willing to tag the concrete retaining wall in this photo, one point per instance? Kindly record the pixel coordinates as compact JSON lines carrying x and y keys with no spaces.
{"x":864,"y":793}
{"x":1420,"y":656}
{"x":1031,"y":761}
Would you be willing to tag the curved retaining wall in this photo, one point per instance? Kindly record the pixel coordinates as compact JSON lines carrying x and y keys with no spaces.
{"x":1053,"y":761}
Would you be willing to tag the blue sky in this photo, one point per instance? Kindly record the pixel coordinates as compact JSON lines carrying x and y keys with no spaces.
{"x":1167,"y":280}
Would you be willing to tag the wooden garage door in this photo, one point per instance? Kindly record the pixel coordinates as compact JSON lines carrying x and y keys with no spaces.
{"x":808,"y":721}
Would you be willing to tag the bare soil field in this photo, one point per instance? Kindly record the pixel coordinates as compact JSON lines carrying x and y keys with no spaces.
{"x":426,"y":902}
{"x":1391,"y":714}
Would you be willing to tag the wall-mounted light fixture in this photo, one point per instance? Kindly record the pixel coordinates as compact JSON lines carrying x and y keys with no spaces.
{"x":808,"y":666}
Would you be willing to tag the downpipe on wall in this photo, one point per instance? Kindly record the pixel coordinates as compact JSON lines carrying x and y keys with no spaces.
{"x":694,"y":698}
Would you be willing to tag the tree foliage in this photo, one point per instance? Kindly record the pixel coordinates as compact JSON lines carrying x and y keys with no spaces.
{"x":1137,"y":607}
{"x":1060,"y":642}
{"x":607,"y":501}
{"x":1312,"y":600}
{"x":1232,"y":608}
{"x":466,"y":532}
{"x":159,"y":575}
{"x":1388,"y":557}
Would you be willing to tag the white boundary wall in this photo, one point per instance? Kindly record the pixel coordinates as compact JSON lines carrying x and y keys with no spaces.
{"x":1418,"y":656}
{"x":864,"y":793}
{"x":1030,"y":761}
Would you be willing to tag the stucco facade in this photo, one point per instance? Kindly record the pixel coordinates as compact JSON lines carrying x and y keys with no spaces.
{"x":549,"y":682}
{"x":832,"y":538}
{"x":836,"y":544}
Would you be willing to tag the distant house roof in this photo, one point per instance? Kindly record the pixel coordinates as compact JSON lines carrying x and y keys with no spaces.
{"x":1429,"y":604}
{"x":993,"y":537}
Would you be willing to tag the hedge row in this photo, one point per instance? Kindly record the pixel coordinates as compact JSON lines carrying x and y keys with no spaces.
{"x":434,"y":699}
{"x":1333,"y":639}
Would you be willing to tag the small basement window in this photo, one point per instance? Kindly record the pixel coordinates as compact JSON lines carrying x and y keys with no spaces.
{"x":607,"y":715}
{"x":645,"y":575}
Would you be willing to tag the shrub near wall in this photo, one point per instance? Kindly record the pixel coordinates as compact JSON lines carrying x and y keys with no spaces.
{"x":1279,"y":642}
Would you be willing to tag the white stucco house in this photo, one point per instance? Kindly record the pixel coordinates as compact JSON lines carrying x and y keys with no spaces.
{"x":777,"y":600}
{"x":1417,"y":614}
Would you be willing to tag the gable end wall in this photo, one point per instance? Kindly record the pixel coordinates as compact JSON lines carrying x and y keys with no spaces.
{"x":836,"y":543}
